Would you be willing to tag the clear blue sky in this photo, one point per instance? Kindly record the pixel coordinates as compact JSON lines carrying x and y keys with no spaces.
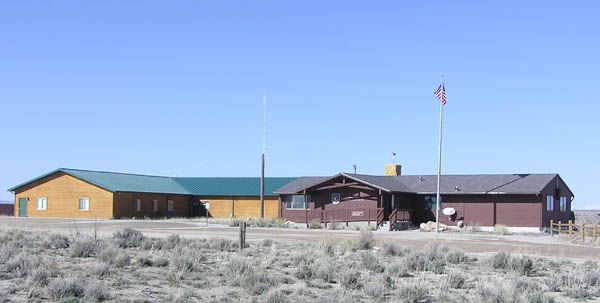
{"x":175,"y":87}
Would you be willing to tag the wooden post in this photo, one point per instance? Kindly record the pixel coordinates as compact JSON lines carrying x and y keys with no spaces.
{"x":559,"y":228}
{"x":242,"y":235}
{"x":582,"y":232}
{"x":347,"y":218}
{"x":570,"y":227}
{"x":594,"y":231}
{"x":551,"y":228}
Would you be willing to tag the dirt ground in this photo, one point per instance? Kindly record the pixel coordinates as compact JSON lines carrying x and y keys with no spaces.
{"x":475,"y":243}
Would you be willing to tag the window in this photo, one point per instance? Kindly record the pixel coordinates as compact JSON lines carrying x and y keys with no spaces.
{"x":335,"y":198}
{"x":563,"y":203}
{"x":155,"y":206}
{"x":84,"y":204}
{"x":138,"y":204}
{"x":295,"y":202}
{"x":169,"y":205}
{"x":431,"y":202}
{"x":42,"y":203}
{"x":549,"y":203}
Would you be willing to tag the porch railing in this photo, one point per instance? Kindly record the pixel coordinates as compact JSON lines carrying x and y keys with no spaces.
{"x":346,"y":215}
{"x":399,"y":215}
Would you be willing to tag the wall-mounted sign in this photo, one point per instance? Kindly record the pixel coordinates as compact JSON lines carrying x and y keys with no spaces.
{"x":358,"y":213}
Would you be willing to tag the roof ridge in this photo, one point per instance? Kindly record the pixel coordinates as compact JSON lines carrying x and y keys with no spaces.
{"x":112,"y":172}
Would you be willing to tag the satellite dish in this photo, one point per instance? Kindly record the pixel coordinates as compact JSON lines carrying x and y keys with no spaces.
{"x":448,"y":211}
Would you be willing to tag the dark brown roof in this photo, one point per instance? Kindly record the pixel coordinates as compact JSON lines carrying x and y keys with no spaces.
{"x":449,"y":184}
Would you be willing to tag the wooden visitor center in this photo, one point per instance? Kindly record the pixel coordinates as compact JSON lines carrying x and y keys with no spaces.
{"x":515,"y":200}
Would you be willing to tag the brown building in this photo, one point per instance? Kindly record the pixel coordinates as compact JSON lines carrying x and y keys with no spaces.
{"x":73,"y":193}
{"x":515,"y":200}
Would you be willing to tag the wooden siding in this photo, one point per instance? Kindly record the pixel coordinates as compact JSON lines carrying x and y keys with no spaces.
{"x":556,"y":188}
{"x":241,"y":207}
{"x":488,"y":210}
{"x":125,"y":205}
{"x":353,"y":197}
{"x":62,"y":193}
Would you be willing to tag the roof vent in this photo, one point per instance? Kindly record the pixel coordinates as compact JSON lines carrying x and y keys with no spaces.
{"x":456,"y":188}
{"x":421,"y":179}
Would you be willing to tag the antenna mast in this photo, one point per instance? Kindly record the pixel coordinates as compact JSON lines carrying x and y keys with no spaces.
{"x":262,"y":165}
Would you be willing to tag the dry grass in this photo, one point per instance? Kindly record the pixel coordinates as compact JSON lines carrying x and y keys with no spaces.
{"x":131,"y":267}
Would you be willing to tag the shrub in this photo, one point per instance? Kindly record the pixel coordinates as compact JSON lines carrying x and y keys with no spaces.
{"x":63,"y":288}
{"x":523,"y":265}
{"x":23,"y":263}
{"x":221,"y":244}
{"x":267,"y":243}
{"x":95,"y":292}
{"x":315,"y":224}
{"x":128,"y":237}
{"x":500,"y":260}
{"x":501,"y":229}
{"x":375,"y":290}
{"x":160,"y":262}
{"x":413,"y":292}
{"x":334,"y":225}
{"x":456,"y":257}
{"x":275,"y":296}
{"x":370,"y":262}
{"x":456,"y":279}
{"x":350,"y":279}
{"x":57,"y":241}
{"x":7,"y":250}
{"x":114,"y":256}
{"x":326,"y":270}
{"x":393,"y":249}
{"x":100,"y":269}
{"x":172,"y":241}
{"x":399,"y":269}
{"x":366,"y":240}
{"x":39,"y":276}
{"x":83,"y":248}
{"x":327,"y":247}
{"x":187,"y":259}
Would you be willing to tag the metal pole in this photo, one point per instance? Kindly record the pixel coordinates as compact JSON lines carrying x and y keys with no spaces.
{"x":439,"y":171}
{"x":262,"y":166}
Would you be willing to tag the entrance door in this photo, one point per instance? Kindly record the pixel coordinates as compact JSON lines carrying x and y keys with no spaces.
{"x":198,"y":209}
{"x":22,"y":207}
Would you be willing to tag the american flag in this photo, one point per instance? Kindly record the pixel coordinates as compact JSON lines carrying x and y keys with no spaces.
{"x":440,"y":94}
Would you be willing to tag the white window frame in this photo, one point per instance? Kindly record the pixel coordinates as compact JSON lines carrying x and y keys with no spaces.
{"x":549,"y":203}
{"x":138,"y":205}
{"x":170,"y":205}
{"x":86,"y":204}
{"x":155,"y":205}
{"x":44,"y":203}
{"x":563,"y":204}
{"x":290,"y":204}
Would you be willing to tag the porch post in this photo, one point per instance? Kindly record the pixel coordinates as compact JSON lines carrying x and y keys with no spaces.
{"x":305,"y":209}
{"x":393,"y":202}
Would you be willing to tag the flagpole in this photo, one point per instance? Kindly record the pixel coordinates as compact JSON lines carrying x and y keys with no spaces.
{"x":262,"y":165}
{"x":439,"y":168}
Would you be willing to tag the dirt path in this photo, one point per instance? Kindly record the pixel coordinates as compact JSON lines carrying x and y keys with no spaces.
{"x":476,"y":243}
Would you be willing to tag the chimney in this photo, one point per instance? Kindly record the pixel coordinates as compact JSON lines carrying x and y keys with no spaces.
{"x":393,"y":170}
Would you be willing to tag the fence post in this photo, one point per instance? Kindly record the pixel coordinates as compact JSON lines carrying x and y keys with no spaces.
{"x":551,"y":228}
{"x":594,"y":231}
{"x":242,"y":235}
{"x":570,"y":227}
{"x":559,"y":228}
{"x":582,"y":232}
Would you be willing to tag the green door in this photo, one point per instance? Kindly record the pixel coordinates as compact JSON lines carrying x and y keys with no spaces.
{"x":22,"y":207}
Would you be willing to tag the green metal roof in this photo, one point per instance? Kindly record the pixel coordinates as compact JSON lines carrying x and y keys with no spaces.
{"x":203,"y":186}
{"x":232,"y":186}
